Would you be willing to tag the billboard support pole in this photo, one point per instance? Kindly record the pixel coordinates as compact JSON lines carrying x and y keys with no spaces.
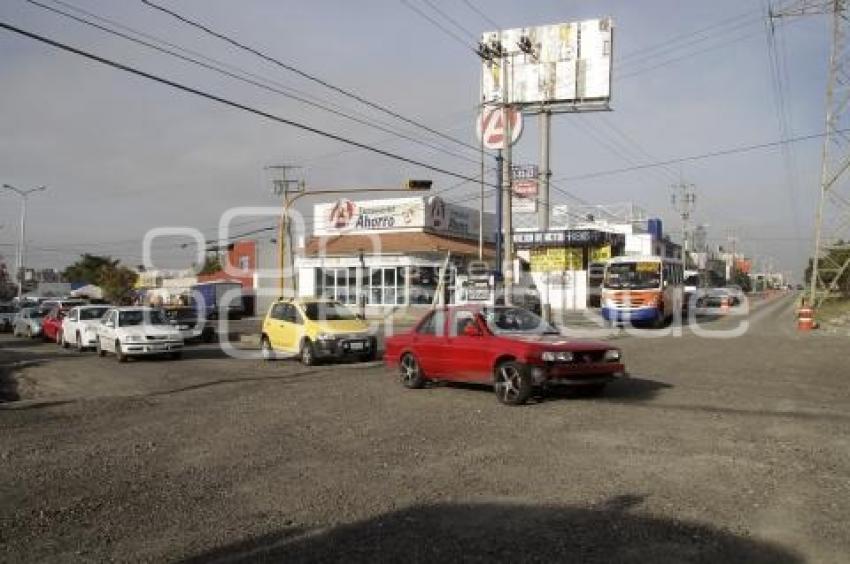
{"x":545,"y":118}
{"x":507,"y":204}
{"x":498,"y":261}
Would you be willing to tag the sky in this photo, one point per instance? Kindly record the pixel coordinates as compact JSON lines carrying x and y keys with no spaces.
{"x":121,"y":154}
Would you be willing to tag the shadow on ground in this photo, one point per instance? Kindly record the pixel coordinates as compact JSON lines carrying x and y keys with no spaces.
{"x":633,"y":389}
{"x":505,"y":532}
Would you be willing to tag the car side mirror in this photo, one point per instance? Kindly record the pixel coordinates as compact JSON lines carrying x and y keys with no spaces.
{"x":471,"y":330}
{"x":109,"y":324}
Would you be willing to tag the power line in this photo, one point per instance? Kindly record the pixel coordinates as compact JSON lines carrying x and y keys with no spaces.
{"x":304,"y":74}
{"x":437,"y":24}
{"x":230,"y":103}
{"x":451,"y":20}
{"x":703,"y":156}
{"x":223,"y":71}
{"x":483,"y":16}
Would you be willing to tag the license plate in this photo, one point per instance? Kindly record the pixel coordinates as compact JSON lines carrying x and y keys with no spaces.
{"x":158,"y":347}
{"x":357,"y":346}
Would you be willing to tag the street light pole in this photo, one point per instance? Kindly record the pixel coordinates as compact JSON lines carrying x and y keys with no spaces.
{"x":19,"y":274}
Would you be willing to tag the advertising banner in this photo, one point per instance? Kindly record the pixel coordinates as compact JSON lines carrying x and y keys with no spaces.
{"x":600,"y":254}
{"x":524,"y":188}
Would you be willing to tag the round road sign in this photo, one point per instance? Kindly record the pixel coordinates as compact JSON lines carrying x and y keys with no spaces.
{"x":491,"y":126}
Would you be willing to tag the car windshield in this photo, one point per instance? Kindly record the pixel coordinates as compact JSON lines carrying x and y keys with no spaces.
{"x":328,"y":311}
{"x":92,"y":312}
{"x":139,"y":316}
{"x":34,"y":313}
{"x":640,"y":275}
{"x":516,"y":320}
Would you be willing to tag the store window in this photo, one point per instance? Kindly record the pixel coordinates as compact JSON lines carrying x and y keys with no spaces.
{"x":424,"y":281}
{"x":386,"y":285}
{"x":338,"y":284}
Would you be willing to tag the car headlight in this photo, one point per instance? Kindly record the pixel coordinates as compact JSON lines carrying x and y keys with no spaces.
{"x":133,"y":338}
{"x":556,"y":356}
{"x":613,"y":355}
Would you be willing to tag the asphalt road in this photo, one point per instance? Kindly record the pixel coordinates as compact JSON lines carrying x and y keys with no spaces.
{"x":732,"y":450}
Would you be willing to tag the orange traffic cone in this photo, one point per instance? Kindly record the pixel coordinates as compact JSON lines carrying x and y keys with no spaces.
{"x":805,"y":318}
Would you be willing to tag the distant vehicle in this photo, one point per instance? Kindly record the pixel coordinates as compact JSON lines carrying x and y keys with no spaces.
{"x":642,"y":289}
{"x":27,"y":322}
{"x":691,"y":286}
{"x":137,"y":331}
{"x":79,"y":328}
{"x":51,"y":325}
{"x":316,"y":329}
{"x":714,"y":299}
{"x":209,"y":298}
{"x":63,"y":303}
{"x":192,"y":327}
{"x":7,"y":317}
{"x":507,"y":347}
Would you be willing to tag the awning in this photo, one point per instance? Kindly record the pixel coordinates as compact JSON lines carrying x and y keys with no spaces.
{"x":394,"y":243}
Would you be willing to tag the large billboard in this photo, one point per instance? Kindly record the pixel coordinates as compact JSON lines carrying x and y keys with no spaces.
{"x":567,"y":63}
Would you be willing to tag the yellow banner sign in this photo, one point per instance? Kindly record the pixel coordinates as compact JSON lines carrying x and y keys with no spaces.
{"x":600,"y":254}
{"x":556,"y":260}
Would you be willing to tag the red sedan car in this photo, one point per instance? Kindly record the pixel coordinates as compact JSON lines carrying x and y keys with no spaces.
{"x":510,"y":348}
{"x":51,"y":325}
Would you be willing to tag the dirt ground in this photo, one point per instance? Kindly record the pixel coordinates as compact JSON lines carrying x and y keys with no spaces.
{"x":733,"y":450}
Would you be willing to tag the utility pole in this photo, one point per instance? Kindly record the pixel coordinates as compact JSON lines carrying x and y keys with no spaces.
{"x":832,"y":219}
{"x":507,"y":203}
{"x":284,"y":187}
{"x":684,"y":200}
{"x":24,"y":194}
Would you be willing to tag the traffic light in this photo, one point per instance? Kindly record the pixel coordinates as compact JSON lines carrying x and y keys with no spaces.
{"x":419,"y":184}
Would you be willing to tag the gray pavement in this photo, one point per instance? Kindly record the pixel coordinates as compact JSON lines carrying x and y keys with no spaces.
{"x":731,"y":450}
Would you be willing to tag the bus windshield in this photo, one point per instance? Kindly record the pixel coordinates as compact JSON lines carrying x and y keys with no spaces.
{"x":641,"y":275}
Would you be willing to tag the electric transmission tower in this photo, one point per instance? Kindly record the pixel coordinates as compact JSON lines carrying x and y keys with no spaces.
{"x":831,"y":258}
{"x":684,"y":201}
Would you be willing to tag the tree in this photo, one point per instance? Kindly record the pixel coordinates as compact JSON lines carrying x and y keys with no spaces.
{"x":743,"y":280}
{"x":212,"y":264}
{"x":116,"y":281}
{"x":88,"y":268}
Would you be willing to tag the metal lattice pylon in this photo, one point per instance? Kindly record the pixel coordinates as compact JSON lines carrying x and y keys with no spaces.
{"x":832,"y":223}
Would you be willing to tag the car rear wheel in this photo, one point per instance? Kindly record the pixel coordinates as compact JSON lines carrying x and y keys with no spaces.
{"x":513,"y":383}
{"x":119,"y":354}
{"x":308,"y":353}
{"x":410,"y":372}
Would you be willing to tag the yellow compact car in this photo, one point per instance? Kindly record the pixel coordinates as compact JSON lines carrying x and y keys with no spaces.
{"x":314,"y":330}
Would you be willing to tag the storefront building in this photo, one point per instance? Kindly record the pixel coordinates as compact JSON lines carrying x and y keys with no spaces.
{"x":390,"y":253}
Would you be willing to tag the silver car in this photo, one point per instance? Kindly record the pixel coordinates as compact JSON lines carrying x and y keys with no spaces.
{"x":28,"y":322}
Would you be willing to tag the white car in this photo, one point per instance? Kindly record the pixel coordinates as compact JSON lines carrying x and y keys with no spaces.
{"x":137,"y":331}
{"x":79,"y":327}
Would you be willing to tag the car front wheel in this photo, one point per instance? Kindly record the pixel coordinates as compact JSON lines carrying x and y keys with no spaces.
{"x":119,"y":354}
{"x":100,"y":351}
{"x":308,"y":354}
{"x":512,"y":383}
{"x":410,"y":372}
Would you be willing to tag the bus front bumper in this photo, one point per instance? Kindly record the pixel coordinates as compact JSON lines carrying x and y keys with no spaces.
{"x":637,"y":314}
